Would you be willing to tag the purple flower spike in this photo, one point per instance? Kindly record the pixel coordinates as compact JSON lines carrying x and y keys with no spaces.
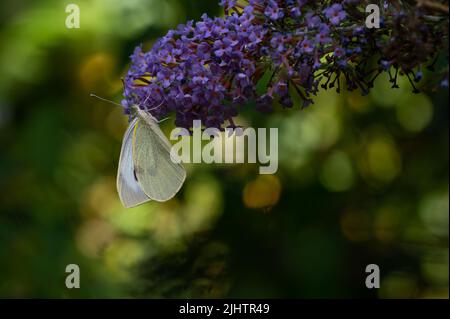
{"x":265,"y":51}
{"x":335,"y":13}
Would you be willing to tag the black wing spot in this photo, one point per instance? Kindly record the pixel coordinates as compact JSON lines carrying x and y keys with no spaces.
{"x":135,"y":176}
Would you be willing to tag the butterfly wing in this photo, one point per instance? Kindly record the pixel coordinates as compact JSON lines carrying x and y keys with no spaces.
{"x":158,"y":176}
{"x":129,"y":190}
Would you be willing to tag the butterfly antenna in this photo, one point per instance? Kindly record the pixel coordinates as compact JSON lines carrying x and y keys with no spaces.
{"x":163,"y":120}
{"x":146,"y":99}
{"x":105,"y":100}
{"x":155,"y":107}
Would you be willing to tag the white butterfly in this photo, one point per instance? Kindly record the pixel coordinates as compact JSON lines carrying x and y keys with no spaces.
{"x":146,"y":171}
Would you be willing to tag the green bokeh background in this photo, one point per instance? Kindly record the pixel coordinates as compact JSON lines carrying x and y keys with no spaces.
{"x":361,"y":180}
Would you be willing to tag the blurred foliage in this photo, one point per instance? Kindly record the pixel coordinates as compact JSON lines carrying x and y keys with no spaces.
{"x":361,"y":180}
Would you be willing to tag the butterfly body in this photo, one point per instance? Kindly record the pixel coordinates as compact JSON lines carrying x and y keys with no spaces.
{"x":146,"y":171}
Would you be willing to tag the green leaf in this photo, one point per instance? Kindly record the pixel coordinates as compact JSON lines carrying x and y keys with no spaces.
{"x":264,"y":81}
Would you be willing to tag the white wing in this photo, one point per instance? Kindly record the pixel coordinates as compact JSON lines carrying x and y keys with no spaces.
{"x":130,"y":191}
{"x":158,"y":176}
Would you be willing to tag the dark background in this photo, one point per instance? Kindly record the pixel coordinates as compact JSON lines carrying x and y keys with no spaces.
{"x":361,"y":180}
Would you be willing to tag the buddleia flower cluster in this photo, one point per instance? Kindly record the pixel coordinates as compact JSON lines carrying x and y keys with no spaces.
{"x":269,"y":53}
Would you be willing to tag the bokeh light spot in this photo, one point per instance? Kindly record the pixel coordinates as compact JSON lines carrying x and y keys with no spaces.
{"x":122,"y":255}
{"x":358,"y":102}
{"x":415,"y":113}
{"x":383,"y":160}
{"x":434,"y":212}
{"x":384,"y":95}
{"x":337,"y":173}
{"x":386,"y":224}
{"x":93,"y":236}
{"x":263,"y":192}
{"x":96,"y":72}
{"x":356,"y":226}
{"x":398,"y":285}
